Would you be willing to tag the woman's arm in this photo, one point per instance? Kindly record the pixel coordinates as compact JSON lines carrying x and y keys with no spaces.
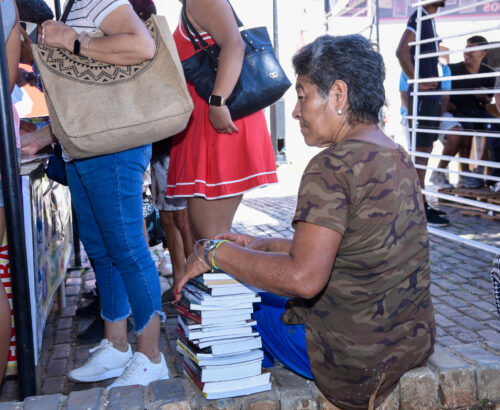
{"x":13,"y":50}
{"x":127,"y":40}
{"x":302,"y":272}
{"x":34,"y":141}
{"x":216,"y":18}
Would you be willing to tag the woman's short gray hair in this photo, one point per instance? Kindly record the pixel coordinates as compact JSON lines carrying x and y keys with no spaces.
{"x":353,"y":60}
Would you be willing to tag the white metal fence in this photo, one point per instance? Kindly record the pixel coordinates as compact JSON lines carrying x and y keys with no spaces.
{"x":476,"y":135}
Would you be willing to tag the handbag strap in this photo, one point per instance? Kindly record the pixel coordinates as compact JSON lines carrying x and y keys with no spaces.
{"x":67,"y":9}
{"x":190,"y":28}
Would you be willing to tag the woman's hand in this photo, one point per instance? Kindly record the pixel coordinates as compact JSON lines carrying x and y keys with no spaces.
{"x":57,"y":34}
{"x":33,"y":142}
{"x":220,"y":117}
{"x":192,"y":268}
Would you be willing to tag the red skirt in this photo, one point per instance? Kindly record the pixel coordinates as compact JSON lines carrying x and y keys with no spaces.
{"x":204,"y":163}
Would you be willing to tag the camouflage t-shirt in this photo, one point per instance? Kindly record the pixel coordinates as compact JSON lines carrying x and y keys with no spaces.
{"x":375,"y":315}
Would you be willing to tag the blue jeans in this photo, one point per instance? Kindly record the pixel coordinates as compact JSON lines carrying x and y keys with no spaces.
{"x":107,"y":196}
{"x":283,"y":343}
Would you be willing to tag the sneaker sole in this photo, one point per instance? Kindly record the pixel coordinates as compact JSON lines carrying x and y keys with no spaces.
{"x":103,"y":376}
{"x":436,"y":225}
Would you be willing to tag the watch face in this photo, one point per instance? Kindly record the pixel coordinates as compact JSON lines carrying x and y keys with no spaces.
{"x":215,"y":100}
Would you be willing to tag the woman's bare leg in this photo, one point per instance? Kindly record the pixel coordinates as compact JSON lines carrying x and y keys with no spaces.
{"x":209,"y":218}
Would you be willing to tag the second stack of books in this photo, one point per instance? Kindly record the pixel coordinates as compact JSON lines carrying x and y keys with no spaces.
{"x":221,"y":351}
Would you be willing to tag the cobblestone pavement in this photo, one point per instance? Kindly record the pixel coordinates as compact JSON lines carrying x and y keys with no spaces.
{"x":464,"y":372}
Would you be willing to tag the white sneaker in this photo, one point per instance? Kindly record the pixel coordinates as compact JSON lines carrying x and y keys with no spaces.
{"x":104,"y":363}
{"x":141,"y":371}
{"x":165,"y":266}
{"x":439,"y":179}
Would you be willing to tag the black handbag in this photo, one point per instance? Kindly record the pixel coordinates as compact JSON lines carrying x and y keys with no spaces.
{"x":262,"y":81}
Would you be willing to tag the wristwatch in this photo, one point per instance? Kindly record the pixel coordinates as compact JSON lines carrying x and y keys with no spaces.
{"x":208,"y":246}
{"x":216,"y":100}
{"x":76,"y":46}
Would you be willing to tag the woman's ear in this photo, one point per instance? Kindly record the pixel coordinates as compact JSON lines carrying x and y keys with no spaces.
{"x":338,"y":95}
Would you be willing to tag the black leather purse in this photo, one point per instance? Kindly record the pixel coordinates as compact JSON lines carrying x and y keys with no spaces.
{"x":262,"y":81}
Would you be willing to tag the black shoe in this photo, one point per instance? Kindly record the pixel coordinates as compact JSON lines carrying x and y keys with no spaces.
{"x":94,"y":332}
{"x":90,"y":294}
{"x":435,"y":217}
{"x":93,"y":309}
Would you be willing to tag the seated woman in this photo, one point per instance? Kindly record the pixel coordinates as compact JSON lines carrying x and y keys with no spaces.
{"x":357,"y":311}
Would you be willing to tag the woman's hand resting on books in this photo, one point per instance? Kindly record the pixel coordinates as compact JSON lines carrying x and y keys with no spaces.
{"x":193,"y":267}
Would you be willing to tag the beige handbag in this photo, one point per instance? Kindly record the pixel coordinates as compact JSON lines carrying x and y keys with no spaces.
{"x":97,"y":108}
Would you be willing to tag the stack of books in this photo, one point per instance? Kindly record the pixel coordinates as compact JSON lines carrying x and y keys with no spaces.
{"x":221,"y":351}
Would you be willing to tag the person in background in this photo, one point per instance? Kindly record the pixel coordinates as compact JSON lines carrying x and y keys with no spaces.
{"x":215,"y":159}
{"x":467,"y":105}
{"x":107,"y":195}
{"x":347,"y":301}
{"x":428,"y":105}
{"x":173,"y":211}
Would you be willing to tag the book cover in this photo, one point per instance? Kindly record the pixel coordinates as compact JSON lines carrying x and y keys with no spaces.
{"x":200,"y":333}
{"x":226,"y":387}
{"x":232,"y":393}
{"x":212,"y":360}
{"x":234,"y":289}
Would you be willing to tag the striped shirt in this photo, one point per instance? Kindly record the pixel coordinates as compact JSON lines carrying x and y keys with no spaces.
{"x":87,"y":15}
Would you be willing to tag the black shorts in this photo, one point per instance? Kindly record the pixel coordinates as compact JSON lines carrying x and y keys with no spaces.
{"x":427,"y":107}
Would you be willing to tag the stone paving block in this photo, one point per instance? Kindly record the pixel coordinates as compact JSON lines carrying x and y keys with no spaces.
{"x":88,"y":276}
{"x":477,"y":314}
{"x":443,"y":321}
{"x":7,"y":405}
{"x":464,"y":335}
{"x":446,"y":310}
{"x":72,"y":290}
{"x":128,"y":397}
{"x":64,"y":323}
{"x":81,"y":354}
{"x":61,"y":351}
{"x":437,"y":291}
{"x":454,"y":302}
{"x":51,"y":402}
{"x":68,"y":311}
{"x":392,"y":401}
{"x":62,"y":336}
{"x":267,"y":400}
{"x":176,"y":406}
{"x":75,"y":273}
{"x":74,"y":281}
{"x":291,"y":390}
{"x":56,"y":368}
{"x":457,"y":382}
{"x":167,"y":392}
{"x":489,"y":334}
{"x":53,"y":385}
{"x":448,"y":341}
{"x":418,"y":389}
{"x":471,"y":324}
{"x":85,"y":399}
{"x":89,"y":284}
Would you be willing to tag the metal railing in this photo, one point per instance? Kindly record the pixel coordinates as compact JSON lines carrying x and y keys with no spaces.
{"x":492,"y":207}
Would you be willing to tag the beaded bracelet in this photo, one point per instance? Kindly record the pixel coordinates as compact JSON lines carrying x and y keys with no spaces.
{"x":214,"y":266}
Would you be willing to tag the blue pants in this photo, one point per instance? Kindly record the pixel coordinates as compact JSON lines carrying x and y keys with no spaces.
{"x":107,"y":196}
{"x":283,"y":343}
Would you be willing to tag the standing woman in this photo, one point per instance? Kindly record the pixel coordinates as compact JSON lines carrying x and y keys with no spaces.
{"x":215,"y":159}
{"x":107,"y":195}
